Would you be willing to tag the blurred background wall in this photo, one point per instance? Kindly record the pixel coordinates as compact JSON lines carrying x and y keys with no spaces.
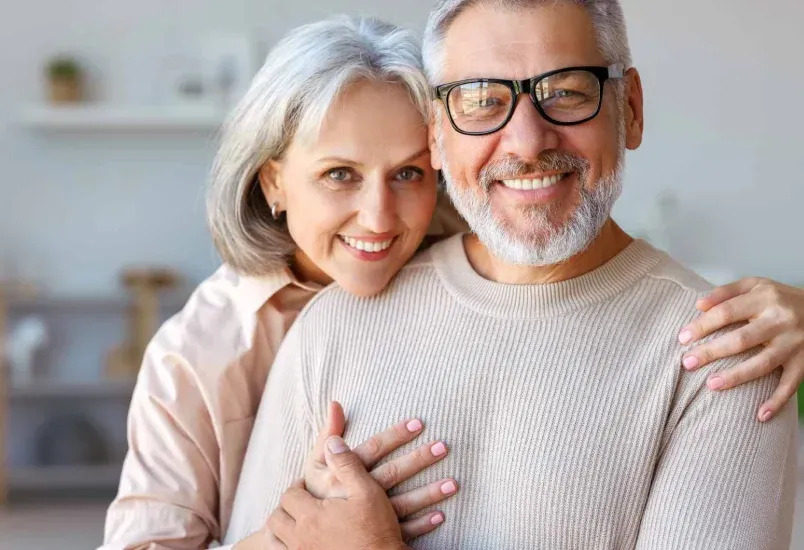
{"x":718,"y":182}
{"x":722,"y":87}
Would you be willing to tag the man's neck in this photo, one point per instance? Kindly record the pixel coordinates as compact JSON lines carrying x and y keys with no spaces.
{"x":611,"y":241}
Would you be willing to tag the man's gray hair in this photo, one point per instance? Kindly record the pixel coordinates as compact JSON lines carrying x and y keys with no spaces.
{"x":288,"y":99}
{"x":607,"y":18}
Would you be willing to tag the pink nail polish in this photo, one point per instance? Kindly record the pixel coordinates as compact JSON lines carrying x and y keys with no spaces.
{"x":716,"y":383}
{"x":437,"y":519}
{"x":448,"y":488}
{"x":414,"y":425}
{"x":685,"y":337}
{"x":438,"y":449}
{"x":765,"y":415}
{"x":690,"y":362}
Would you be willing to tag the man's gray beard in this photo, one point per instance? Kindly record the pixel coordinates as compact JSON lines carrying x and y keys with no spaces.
{"x":509,"y":244}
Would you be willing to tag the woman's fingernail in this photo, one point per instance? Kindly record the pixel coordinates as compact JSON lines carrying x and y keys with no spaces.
{"x":437,"y":519}
{"x":716,"y":383}
{"x":690,"y":362}
{"x":448,"y":488}
{"x":765,"y":415}
{"x":438,"y":449}
{"x":685,"y":337}
{"x":337,"y":445}
{"x":414,"y":425}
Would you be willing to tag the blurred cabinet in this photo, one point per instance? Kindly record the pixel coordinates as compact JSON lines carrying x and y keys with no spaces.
{"x":63,"y":430}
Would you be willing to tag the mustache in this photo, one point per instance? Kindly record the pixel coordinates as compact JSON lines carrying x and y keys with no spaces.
{"x":548,"y":161}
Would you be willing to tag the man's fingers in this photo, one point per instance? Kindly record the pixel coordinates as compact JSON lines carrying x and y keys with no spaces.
{"x":732,"y":343}
{"x":348,"y":467}
{"x":727,"y":292}
{"x":417,"y":500}
{"x":740,"y":308}
{"x":402,"y":468}
{"x":382,"y":444}
{"x":270,"y":542}
{"x":788,"y":385}
{"x":421,"y":526}
{"x":296,"y":500}
{"x":297,"y":484}
{"x":334,"y":426}
{"x":281,"y":525}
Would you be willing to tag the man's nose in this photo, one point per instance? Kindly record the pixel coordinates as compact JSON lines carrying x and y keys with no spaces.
{"x":527,"y":134}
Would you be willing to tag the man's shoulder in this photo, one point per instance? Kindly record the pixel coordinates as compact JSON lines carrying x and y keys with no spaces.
{"x":675,"y":279}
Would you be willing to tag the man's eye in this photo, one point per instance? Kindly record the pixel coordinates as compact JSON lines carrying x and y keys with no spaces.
{"x":489,"y":102}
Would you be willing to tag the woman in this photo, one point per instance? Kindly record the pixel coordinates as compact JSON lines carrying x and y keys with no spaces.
{"x":323,"y":176}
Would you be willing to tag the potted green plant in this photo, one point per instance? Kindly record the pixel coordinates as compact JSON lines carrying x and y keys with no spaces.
{"x":65,"y":80}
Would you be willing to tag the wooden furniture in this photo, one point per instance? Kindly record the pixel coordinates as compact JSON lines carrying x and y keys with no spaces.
{"x":144,"y":285}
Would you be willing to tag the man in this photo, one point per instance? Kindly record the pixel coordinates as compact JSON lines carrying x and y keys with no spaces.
{"x":536,"y":347}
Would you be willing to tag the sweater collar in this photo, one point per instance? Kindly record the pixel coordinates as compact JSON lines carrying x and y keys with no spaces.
{"x":540,"y":300}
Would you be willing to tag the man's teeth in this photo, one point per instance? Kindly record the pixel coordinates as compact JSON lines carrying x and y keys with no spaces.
{"x":365,"y":245}
{"x":531,"y":184}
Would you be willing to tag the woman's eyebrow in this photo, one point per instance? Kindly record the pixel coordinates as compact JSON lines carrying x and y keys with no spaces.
{"x":414,"y":156}
{"x":343,"y":160}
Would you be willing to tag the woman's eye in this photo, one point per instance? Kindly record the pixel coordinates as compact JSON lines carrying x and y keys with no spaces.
{"x":339,"y":174}
{"x":410,"y":174}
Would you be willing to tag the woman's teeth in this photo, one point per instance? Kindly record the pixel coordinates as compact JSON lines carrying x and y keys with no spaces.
{"x":531,"y":184}
{"x":365,"y":245}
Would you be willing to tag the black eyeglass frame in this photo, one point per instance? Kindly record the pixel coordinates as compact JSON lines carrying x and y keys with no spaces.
{"x":528,"y":86}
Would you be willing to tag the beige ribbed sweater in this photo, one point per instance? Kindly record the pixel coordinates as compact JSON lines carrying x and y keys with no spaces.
{"x":570,"y":422}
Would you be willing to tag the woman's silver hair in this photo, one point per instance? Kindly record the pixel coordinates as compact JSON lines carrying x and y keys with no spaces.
{"x":289,"y":98}
{"x":607,"y":18}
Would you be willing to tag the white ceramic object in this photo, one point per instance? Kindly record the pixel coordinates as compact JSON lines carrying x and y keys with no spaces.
{"x":28,"y":337}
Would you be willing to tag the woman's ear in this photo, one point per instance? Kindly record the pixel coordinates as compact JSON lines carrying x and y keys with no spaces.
{"x":271,"y":183}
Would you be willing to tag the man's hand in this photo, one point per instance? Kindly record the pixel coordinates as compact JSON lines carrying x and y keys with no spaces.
{"x":364,"y":520}
{"x":775,"y":315}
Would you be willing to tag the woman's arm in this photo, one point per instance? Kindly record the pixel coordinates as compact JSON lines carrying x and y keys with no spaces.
{"x":775,"y":316}
{"x":168,"y":496}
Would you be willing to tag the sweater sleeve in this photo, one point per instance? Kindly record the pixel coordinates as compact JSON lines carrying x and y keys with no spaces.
{"x":723,"y":480}
{"x":280,"y":440}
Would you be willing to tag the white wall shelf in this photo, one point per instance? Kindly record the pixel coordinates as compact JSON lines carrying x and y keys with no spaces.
{"x":111,"y":118}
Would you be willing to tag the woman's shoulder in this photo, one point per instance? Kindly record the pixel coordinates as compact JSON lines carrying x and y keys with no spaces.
{"x":218,"y":321}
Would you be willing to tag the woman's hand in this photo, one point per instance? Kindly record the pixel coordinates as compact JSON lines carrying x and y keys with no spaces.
{"x":775,"y":315}
{"x":321,"y":481}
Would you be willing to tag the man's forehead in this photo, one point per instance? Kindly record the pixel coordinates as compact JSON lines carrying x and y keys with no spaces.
{"x":515,"y":59}
{"x":505,"y":43}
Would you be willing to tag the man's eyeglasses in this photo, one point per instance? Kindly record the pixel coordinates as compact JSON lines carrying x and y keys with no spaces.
{"x":480,"y":106}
